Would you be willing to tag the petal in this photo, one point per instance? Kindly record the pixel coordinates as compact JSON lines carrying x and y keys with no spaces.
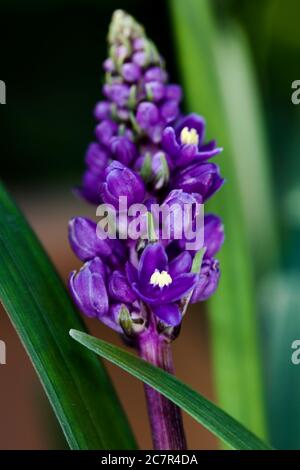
{"x":180,"y":286}
{"x":211,"y":145}
{"x":169,"y":314}
{"x":169,"y":111}
{"x":181,"y":264}
{"x":150,"y":294}
{"x":169,"y":142}
{"x":205,"y":155}
{"x":153,"y":257}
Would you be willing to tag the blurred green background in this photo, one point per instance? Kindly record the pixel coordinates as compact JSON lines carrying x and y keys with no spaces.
{"x":245,"y":53}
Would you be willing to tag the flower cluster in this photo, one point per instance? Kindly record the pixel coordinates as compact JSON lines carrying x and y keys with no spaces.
{"x":146,"y":150}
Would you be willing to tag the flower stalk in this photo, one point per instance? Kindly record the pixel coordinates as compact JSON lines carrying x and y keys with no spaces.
{"x":165,"y":417}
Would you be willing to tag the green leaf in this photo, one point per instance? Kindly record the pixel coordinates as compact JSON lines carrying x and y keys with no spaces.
{"x":152,"y":237}
{"x":36,"y":301}
{"x":197,"y":261}
{"x":201,"y":409}
{"x":237,"y":363}
{"x":146,"y":170}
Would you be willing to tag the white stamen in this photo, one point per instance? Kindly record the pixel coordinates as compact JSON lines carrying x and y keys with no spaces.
{"x":160,"y":279}
{"x":189,"y":136}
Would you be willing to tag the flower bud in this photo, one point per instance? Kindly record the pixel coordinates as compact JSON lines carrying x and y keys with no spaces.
{"x":119,"y":288}
{"x":213,"y":235}
{"x":88,"y":289}
{"x":123,"y":149}
{"x":208,"y":280}
{"x":86,"y":243}
{"x":201,"y":178}
{"x":121,"y":181}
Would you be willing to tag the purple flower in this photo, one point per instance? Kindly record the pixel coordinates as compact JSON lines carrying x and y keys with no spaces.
{"x":102,"y":110}
{"x":118,"y":93}
{"x":90,"y":187}
{"x":180,"y":211}
{"x":131,"y":72}
{"x":201,"y":178}
{"x":155,"y":90}
{"x":161,"y":284}
{"x":208,"y":280}
{"x":123,"y":149}
{"x":96,"y":158}
{"x":88,"y":289}
{"x":119,"y":288}
{"x":147,"y":115}
{"x":184,"y":143}
{"x":105,"y":130}
{"x":121,"y":181}
{"x":152,"y":118}
{"x":85,"y":240}
{"x":155,"y":74}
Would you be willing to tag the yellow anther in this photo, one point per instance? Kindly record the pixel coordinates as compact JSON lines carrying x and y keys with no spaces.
{"x":160,"y":279}
{"x":189,"y":136}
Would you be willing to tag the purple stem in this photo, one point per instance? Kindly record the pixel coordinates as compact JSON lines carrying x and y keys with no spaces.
{"x":165,"y":417}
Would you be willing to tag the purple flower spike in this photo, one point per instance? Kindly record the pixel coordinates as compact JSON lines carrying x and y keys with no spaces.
{"x":121,"y":181}
{"x":201,"y":178}
{"x":88,"y":289}
{"x":185,"y":143}
{"x":153,"y":283}
{"x":208,"y":280}
{"x":147,"y":151}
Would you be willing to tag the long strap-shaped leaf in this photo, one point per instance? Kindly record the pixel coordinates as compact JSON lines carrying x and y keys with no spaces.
{"x":237,"y":364}
{"x":35,"y":299}
{"x":202,"y":410}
